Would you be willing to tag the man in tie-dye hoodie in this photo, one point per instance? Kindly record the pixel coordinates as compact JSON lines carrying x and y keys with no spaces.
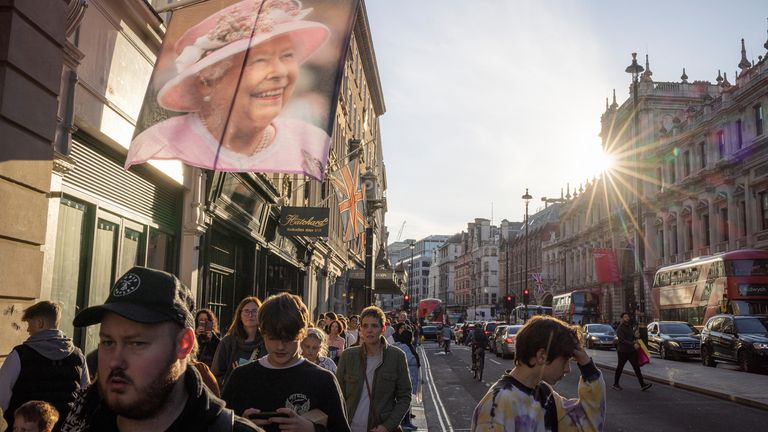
{"x":523,"y":399}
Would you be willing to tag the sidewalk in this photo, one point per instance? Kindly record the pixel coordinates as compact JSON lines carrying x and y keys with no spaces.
{"x":721,"y":382}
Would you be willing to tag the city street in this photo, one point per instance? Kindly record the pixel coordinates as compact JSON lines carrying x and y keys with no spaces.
{"x":450,"y":395}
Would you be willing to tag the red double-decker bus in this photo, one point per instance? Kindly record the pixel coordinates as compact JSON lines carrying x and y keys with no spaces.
{"x":732,"y":282}
{"x":430,"y":310}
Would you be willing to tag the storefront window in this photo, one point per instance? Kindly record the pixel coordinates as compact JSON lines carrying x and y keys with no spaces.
{"x":244,"y":197}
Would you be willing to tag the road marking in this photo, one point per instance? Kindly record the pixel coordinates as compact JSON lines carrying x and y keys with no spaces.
{"x":442,"y":414}
{"x":495,"y":362}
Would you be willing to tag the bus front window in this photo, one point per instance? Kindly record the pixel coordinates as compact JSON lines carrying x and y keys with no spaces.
{"x":757,"y":267}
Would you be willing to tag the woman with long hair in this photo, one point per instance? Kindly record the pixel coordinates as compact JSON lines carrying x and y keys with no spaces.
{"x":336,"y":342}
{"x":242,"y":342}
{"x":314,"y":347}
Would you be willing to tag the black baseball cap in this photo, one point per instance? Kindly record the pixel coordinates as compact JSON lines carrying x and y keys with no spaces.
{"x":147,"y":296}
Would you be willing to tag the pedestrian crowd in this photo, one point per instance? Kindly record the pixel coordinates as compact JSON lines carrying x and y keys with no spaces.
{"x":163,"y":365}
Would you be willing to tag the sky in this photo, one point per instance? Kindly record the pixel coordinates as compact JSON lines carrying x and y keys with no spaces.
{"x":486,"y":98}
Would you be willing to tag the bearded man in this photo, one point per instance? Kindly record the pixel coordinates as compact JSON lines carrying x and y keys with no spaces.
{"x":144,"y":381}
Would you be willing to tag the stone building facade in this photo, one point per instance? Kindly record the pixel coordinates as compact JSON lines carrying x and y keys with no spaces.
{"x":703,"y":152}
{"x":73,"y":79}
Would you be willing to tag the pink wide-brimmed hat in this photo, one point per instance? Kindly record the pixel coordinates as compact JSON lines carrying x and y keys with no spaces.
{"x":231,"y":31}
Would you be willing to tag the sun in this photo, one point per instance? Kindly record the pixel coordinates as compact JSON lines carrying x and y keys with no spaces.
{"x":604,"y":162}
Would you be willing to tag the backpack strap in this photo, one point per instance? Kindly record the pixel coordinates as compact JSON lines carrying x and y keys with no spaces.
{"x":225,"y":421}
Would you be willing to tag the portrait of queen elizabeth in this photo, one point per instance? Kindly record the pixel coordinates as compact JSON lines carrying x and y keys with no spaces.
{"x":235,"y":72}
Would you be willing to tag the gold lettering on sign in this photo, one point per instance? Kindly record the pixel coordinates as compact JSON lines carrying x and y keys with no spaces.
{"x":294,"y":219}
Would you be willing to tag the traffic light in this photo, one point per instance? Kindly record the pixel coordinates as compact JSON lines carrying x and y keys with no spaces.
{"x":509,"y":303}
{"x":526,"y":296}
{"x":407,"y":302}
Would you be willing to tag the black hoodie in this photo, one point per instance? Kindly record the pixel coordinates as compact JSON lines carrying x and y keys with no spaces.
{"x":199,"y":414}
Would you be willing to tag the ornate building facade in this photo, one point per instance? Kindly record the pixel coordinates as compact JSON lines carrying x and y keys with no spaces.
{"x":703,"y":151}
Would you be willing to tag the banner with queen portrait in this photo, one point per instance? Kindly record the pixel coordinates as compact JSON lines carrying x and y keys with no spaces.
{"x":247,"y":85}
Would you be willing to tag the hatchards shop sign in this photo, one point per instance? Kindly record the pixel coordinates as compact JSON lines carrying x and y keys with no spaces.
{"x":304,"y":221}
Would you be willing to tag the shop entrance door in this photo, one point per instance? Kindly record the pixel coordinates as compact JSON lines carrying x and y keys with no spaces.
{"x":230,"y":275}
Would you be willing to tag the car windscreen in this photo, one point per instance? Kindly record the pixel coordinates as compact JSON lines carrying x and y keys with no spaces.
{"x":513,"y":330}
{"x":490,"y":327}
{"x":752,"y":325}
{"x":600,"y":328}
{"x":677,"y":328}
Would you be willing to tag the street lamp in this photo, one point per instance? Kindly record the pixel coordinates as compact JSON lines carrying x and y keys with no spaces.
{"x":411,"y":246}
{"x":635,"y":70}
{"x":527,"y":198}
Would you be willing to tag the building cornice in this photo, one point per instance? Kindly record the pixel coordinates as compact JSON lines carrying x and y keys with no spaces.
{"x":362,"y":32}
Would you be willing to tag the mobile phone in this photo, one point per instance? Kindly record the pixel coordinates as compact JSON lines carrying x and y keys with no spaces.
{"x":209,"y":326}
{"x":264,"y":415}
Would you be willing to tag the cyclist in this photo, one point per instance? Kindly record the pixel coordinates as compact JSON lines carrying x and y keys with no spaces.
{"x":478,"y":343}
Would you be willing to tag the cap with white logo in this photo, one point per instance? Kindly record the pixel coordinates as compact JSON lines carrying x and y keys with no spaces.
{"x":147,"y":296}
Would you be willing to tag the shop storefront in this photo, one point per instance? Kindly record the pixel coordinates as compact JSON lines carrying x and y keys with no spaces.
{"x":107,"y":220}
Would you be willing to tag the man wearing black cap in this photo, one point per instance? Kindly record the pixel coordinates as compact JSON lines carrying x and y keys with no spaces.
{"x":144,"y":382}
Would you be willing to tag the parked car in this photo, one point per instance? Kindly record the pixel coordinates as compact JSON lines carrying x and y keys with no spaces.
{"x":600,"y":336}
{"x":499,"y":333}
{"x":429,"y":332}
{"x":740,"y":339}
{"x":507,"y":346}
{"x":674,"y":339}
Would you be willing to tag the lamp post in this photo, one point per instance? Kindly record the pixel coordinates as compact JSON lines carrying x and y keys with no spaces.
{"x":527,"y":198}
{"x":635,"y":70}
{"x":411,"y":246}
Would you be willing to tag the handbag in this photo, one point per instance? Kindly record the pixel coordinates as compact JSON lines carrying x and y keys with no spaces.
{"x":371,"y":408}
{"x":643,"y":355}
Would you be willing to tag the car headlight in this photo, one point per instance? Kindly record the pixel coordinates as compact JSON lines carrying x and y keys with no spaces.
{"x":674,"y":344}
{"x":760,"y":345}
{"x":594,"y":338}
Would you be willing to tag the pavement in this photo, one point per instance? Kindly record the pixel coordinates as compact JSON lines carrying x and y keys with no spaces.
{"x":724,"y":381}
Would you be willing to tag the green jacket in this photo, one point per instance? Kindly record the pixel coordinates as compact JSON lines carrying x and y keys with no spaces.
{"x":391,"y":386}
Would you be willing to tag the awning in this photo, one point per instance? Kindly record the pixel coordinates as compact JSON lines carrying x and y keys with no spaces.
{"x":385,"y":281}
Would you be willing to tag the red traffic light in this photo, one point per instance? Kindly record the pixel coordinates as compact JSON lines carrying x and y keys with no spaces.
{"x":406,"y":297}
{"x":525,"y":291}
{"x":509,"y":298}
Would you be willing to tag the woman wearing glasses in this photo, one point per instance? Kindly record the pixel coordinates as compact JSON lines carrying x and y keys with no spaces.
{"x":242,"y":343}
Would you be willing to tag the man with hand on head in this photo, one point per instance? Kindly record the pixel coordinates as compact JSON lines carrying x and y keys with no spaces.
{"x":523,"y":400}
{"x":144,"y":381}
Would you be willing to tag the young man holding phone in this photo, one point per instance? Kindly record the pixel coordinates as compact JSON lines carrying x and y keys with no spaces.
{"x":278,"y":390}
{"x":523,"y":400}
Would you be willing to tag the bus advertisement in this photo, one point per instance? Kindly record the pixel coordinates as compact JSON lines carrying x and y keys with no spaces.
{"x":430,"y":311}
{"x":732,"y":282}
{"x":577,"y":307}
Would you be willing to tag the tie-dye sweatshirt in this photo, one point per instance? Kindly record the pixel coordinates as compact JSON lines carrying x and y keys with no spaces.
{"x":510,"y":406}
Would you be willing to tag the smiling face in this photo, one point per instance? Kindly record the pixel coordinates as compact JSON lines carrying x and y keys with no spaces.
{"x":138,"y":365}
{"x":281,"y":352}
{"x":268,"y":79}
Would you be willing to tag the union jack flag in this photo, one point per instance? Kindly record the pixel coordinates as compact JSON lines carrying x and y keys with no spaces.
{"x":350,"y":191}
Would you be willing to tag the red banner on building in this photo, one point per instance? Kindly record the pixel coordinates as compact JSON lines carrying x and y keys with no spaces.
{"x":247,"y":85}
{"x":606,"y":266}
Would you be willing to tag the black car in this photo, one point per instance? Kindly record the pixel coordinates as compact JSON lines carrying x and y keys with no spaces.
{"x":673,"y":339}
{"x":599,"y":336}
{"x":740,"y":339}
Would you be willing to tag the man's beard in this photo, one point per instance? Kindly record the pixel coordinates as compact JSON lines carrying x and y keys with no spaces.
{"x":151,"y":398}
